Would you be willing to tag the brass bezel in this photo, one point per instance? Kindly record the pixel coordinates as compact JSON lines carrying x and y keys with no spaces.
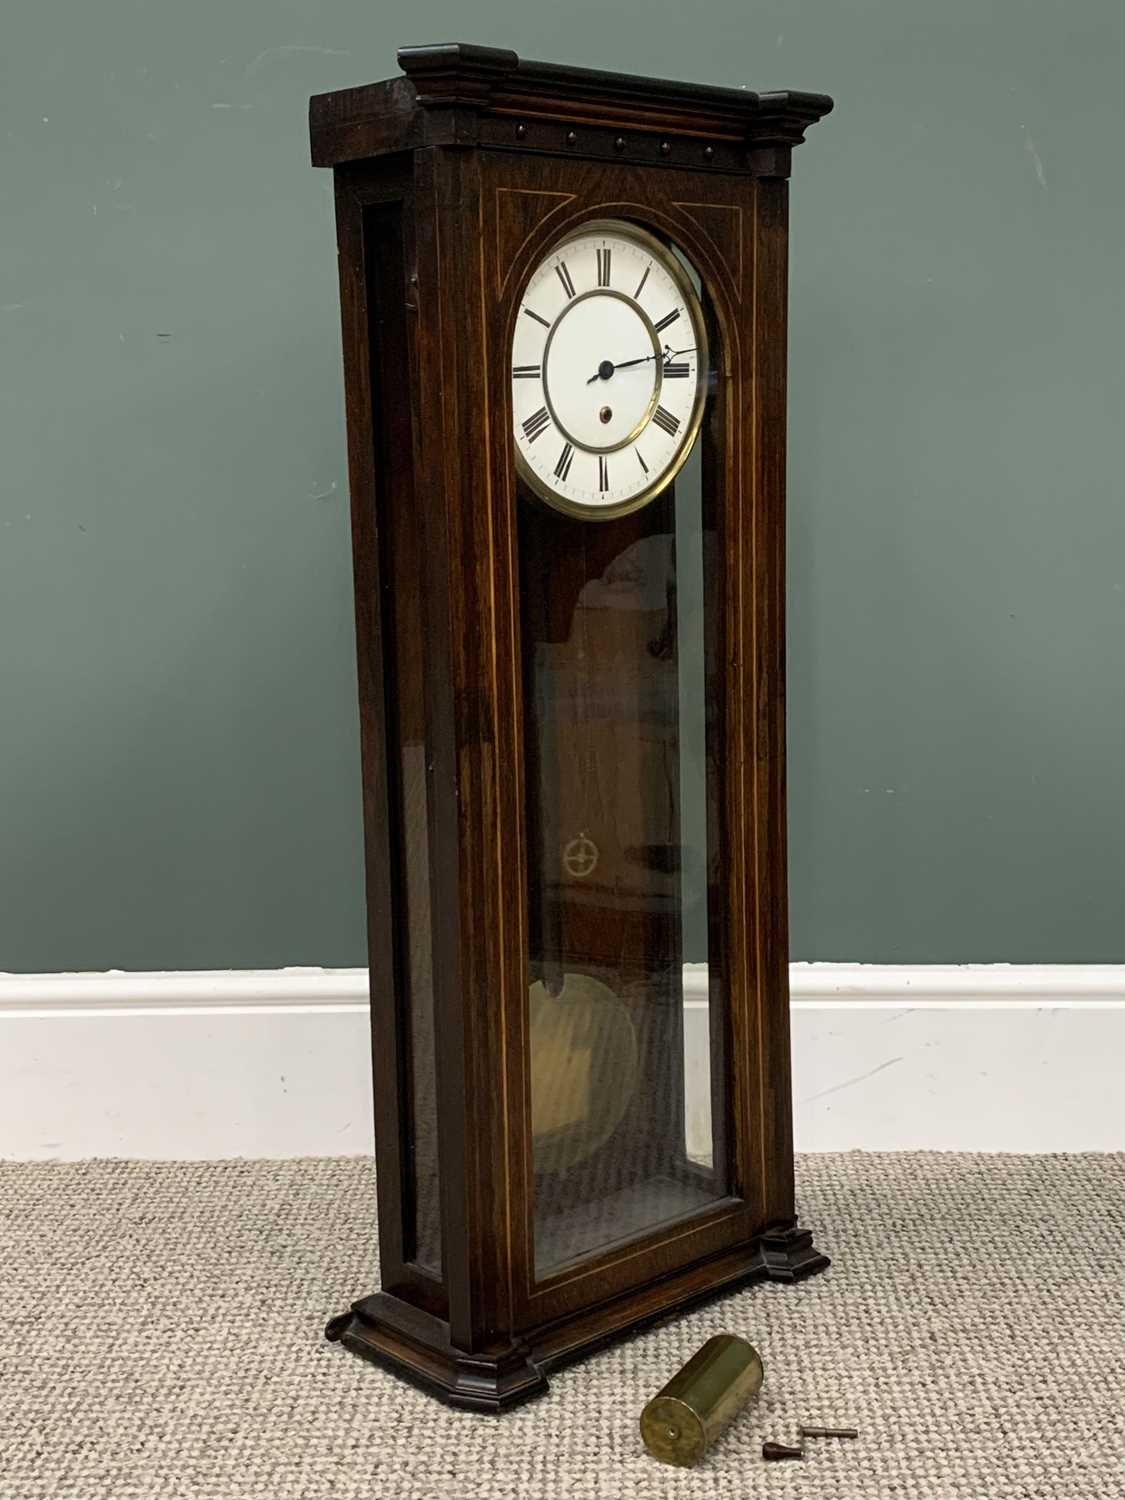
{"x":626,"y":229}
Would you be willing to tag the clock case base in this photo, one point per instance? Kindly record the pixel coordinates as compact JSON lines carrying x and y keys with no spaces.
{"x":414,"y":1345}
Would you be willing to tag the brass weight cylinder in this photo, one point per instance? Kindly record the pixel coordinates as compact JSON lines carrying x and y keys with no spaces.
{"x":684,"y":1419}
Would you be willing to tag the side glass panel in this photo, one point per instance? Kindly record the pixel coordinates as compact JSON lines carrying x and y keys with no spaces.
{"x":621,"y":743}
{"x":403,"y":636}
{"x":414,"y":962}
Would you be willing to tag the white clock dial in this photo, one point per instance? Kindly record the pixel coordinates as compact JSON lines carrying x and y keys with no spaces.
{"x":609,"y":362}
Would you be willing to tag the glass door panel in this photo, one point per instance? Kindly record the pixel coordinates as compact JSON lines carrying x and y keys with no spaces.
{"x":622,"y":819}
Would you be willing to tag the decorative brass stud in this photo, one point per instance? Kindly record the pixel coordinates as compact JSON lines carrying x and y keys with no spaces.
{"x":571,"y":138}
{"x":619,"y":143}
{"x":708,"y":152}
{"x":664,"y":148}
{"x":521,"y":131}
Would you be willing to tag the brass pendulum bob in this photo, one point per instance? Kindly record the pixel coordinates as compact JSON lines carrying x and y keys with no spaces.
{"x":681,"y":1422}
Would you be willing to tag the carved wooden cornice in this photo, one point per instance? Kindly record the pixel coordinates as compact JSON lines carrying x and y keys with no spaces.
{"x":463,"y":95}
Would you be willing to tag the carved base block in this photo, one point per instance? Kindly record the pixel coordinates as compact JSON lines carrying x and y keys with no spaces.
{"x":790,"y":1255}
{"x":476,"y":1382}
{"x":416,"y":1346}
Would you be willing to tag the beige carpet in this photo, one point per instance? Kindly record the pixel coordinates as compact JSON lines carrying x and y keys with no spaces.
{"x":161,"y":1336}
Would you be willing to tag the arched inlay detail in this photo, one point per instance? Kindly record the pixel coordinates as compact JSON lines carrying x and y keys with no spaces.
{"x":722,"y":224}
{"x":519,"y":212}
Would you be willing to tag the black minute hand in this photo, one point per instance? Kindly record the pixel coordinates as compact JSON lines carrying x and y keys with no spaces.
{"x":627,"y":364}
{"x":666,"y":355}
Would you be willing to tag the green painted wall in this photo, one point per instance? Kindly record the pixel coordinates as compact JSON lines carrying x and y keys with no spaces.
{"x":178,"y":761}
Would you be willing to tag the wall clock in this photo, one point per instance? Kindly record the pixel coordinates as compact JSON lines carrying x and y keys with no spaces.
{"x":563,"y":298}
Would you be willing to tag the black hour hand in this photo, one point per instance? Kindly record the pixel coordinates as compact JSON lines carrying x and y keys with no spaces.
{"x":604,"y":371}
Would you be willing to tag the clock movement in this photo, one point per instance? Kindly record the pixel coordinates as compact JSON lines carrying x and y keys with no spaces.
{"x":563,"y":298}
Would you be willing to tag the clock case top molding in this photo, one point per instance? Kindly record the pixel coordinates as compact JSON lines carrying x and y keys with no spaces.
{"x":451,"y":184}
{"x":462,"y":95}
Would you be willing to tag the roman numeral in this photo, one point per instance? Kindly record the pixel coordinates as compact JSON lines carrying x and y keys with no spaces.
{"x":533,"y":372}
{"x":667,"y":320}
{"x":641,"y":287}
{"x":666,"y":420}
{"x":676,"y":371}
{"x":640,"y":460}
{"x":603,"y":268}
{"x":564,"y":276}
{"x":603,"y":473}
{"x":562,"y":468}
{"x":536,"y":423}
{"x":537,"y":318}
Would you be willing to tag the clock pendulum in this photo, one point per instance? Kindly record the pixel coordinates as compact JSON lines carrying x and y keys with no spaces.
{"x":563,"y":299}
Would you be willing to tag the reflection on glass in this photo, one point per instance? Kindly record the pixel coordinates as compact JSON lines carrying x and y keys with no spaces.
{"x":408,"y":804}
{"x":419,"y":1026}
{"x":622,"y":834}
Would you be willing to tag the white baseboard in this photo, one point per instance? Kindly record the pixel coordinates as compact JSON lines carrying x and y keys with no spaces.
{"x":276,"y":1063}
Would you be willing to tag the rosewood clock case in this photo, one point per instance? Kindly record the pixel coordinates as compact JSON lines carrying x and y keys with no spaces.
{"x":561,"y":883}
